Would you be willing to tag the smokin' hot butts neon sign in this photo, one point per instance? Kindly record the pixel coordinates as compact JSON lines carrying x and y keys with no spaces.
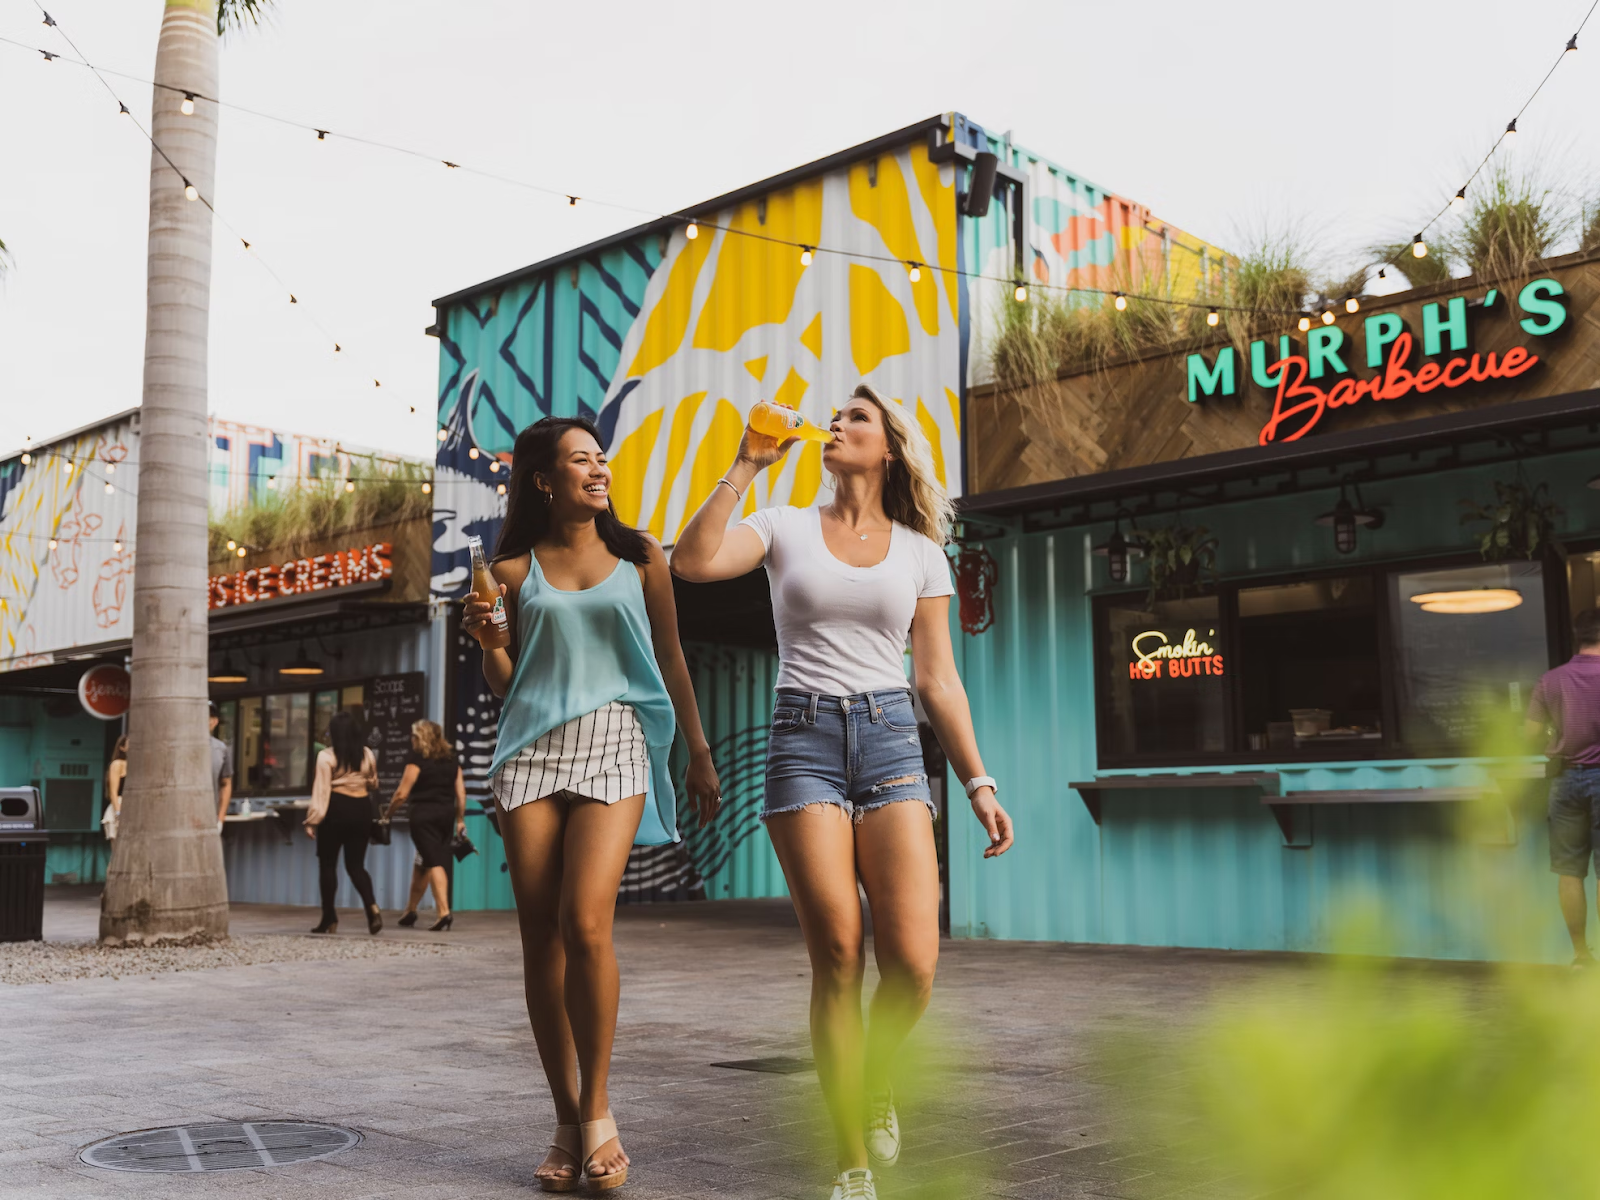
{"x":1157,"y":656}
{"x":368,"y":564}
{"x":1300,"y":402}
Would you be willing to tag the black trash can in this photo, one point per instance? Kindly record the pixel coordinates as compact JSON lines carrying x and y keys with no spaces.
{"x":23,"y":845}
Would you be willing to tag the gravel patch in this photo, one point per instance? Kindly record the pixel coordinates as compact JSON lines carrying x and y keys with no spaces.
{"x":56,"y":962}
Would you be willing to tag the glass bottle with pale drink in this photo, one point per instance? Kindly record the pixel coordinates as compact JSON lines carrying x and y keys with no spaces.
{"x":495,"y":634}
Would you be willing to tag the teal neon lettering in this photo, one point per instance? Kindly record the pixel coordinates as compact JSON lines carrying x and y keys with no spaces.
{"x":1381,"y":329}
{"x":1258,"y":362}
{"x":1210,"y":380}
{"x":1455,"y":324}
{"x":1545,"y":313}
{"x":1322,"y":348}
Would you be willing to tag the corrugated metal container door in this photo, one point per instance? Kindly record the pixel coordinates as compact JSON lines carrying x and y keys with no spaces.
{"x":734,"y":856}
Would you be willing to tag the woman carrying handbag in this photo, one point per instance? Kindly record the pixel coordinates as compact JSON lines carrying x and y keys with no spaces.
{"x":340,"y":818}
{"x":433,"y":785}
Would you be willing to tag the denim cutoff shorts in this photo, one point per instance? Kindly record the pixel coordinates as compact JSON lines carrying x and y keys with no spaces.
{"x":1575,"y":821}
{"x":844,"y":750}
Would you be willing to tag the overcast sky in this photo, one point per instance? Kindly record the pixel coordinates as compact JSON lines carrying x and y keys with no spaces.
{"x":1355,"y":120}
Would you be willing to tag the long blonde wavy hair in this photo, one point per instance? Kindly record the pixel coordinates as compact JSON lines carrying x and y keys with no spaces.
{"x":429,"y":740}
{"x":912,"y":494}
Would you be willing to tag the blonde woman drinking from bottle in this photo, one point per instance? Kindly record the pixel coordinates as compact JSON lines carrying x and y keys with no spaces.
{"x":593,"y":680}
{"x":846,"y":796}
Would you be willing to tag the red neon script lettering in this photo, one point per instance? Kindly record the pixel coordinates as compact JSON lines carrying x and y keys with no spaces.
{"x":1298,"y":399}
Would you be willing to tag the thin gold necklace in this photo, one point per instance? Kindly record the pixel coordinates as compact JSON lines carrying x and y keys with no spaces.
{"x":851,"y":528}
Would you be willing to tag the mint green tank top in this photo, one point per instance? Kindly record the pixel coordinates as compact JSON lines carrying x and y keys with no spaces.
{"x":579,"y":651}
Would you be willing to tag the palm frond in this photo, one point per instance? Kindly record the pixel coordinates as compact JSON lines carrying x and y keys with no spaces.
{"x":236,"y":14}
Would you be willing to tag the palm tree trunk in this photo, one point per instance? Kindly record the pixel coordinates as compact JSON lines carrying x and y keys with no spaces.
{"x":166,"y":876}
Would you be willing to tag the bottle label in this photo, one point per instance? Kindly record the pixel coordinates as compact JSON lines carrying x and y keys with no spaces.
{"x":497,"y":614}
{"x":791,"y":419}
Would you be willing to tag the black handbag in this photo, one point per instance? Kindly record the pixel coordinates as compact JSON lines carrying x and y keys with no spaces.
{"x":461,"y":846}
{"x":379,"y":833}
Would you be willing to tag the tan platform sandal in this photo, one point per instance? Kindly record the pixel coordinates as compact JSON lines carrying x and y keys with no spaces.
{"x":595,"y":1135}
{"x":568,"y":1140}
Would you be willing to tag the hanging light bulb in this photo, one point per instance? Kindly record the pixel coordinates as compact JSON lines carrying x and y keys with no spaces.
{"x":187,"y":107}
{"x":349,"y":485}
{"x":915,"y":273}
{"x":241,"y":552}
{"x":572,"y":202}
{"x":499,"y":489}
{"x":52,"y":543}
{"x":272,"y":483}
{"x":1121,"y":302}
{"x":1419,"y":249}
{"x":1213,"y":317}
{"x":805,"y":256}
{"x":67,"y":466}
{"x":427,"y":488}
{"x":494,"y":466}
{"x":472,"y":452}
{"x":190,"y":191}
{"x":232,"y":545}
{"x":26,"y":458}
{"x":1511,"y":130}
{"x":1383,"y":273}
{"x":1305,"y":323}
{"x":691,"y":231}
{"x":1352,"y":305}
{"x":1021,"y":293}
{"x":1572,"y":44}
{"x":110,"y":488}
{"x":111,"y":468}
{"x":1327,"y":316}
{"x":116,"y":546}
{"x":443,"y":434}
{"x":1459,"y":200}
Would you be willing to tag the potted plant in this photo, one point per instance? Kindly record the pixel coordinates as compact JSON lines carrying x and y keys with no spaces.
{"x":1522,"y":521}
{"x":1181,"y":559}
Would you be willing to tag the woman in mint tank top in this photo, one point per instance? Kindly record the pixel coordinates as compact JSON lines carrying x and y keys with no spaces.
{"x":594,"y":685}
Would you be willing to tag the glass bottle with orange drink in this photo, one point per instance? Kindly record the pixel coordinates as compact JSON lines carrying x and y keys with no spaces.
{"x":495,"y":633}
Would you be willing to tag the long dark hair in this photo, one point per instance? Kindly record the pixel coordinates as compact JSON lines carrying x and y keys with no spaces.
{"x":528,"y":516}
{"x":344,"y":735}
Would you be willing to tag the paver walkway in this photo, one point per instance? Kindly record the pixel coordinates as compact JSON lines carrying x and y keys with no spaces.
{"x":431,"y":1059}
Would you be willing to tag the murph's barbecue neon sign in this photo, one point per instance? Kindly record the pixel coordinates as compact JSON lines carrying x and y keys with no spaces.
{"x":1155,"y":654}
{"x":366,"y":564}
{"x":1300,"y":403}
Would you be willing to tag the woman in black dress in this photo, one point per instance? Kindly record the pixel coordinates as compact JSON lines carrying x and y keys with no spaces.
{"x":433,"y":786}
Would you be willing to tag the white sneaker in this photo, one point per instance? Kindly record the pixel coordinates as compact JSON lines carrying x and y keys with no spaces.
{"x":883,"y":1131}
{"x":855,"y":1185}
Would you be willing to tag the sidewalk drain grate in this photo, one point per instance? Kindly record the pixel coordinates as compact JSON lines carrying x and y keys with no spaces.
{"x":219,"y":1146}
{"x":779,"y":1065}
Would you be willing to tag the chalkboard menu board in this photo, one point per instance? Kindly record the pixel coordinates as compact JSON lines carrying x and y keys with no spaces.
{"x":393,"y":703}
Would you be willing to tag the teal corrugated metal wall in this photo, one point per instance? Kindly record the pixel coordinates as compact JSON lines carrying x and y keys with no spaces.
{"x":733,"y":686}
{"x":1209,"y":868}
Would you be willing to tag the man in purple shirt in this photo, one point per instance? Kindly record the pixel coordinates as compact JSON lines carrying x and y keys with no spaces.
{"x":1566,"y":709}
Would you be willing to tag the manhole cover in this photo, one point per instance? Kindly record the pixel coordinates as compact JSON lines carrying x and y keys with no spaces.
{"x":222,"y":1146}
{"x":779,"y":1065}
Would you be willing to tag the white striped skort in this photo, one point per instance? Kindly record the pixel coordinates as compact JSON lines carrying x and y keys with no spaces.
{"x":600,"y":756}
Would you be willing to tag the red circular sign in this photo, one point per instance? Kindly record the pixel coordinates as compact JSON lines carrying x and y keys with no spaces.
{"x":104,"y":690}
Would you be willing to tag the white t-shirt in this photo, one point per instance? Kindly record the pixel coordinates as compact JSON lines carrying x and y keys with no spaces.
{"x":842,"y":630}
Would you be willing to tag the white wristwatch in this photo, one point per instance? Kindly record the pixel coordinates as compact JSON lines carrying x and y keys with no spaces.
{"x":978,"y":781}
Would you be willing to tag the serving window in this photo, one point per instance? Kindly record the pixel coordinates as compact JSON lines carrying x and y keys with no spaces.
{"x":1357,"y":664}
{"x":276,"y":736}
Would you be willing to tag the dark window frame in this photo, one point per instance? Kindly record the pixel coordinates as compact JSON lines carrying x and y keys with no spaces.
{"x":243,"y":790}
{"x":1557,"y":638}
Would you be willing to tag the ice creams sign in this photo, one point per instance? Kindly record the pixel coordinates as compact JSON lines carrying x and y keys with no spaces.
{"x":1307,"y":382}
{"x":301,"y":576}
